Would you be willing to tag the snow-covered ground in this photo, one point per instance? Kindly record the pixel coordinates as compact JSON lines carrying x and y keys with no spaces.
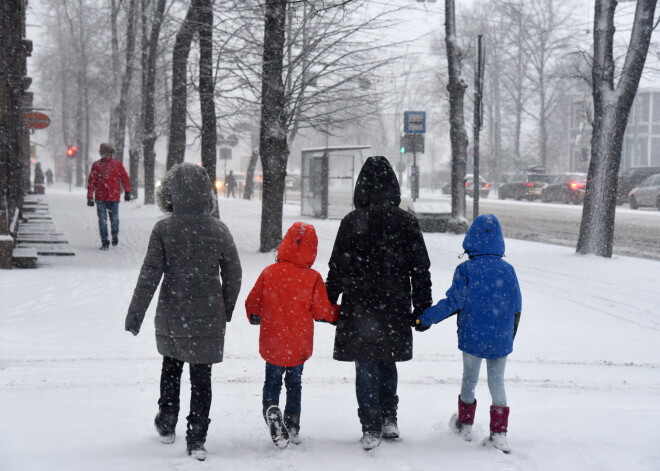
{"x":77,"y":392}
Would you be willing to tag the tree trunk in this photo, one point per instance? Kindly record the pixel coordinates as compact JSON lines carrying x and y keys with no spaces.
{"x":177,"y":144}
{"x":457,"y":133}
{"x":148,"y":120}
{"x":611,"y":109}
{"x":249,"y":177}
{"x":273,"y":134}
{"x":207,"y":87}
{"x":119,"y":134}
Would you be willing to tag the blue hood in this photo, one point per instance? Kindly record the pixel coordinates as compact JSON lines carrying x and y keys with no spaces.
{"x":484,"y":237}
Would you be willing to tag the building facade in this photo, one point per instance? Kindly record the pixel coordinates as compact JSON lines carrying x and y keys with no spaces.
{"x":641,"y":143}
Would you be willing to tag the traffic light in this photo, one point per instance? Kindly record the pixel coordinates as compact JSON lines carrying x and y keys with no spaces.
{"x":402,"y":150}
{"x":71,"y":151}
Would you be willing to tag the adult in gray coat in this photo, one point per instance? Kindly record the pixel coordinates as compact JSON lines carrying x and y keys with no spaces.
{"x":191,"y":250}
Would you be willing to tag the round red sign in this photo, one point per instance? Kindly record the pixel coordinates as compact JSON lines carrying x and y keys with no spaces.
{"x":35,"y":120}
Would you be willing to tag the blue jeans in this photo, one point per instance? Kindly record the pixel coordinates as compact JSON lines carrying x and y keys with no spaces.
{"x":375,"y":383}
{"x":495,"y":369}
{"x":293,"y":382}
{"x":103,"y":208}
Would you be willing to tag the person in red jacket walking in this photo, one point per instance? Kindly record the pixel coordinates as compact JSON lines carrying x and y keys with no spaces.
{"x":103,"y":187}
{"x":286,"y":300}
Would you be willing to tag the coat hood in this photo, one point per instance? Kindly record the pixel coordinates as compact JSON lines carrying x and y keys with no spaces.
{"x":376,"y":184}
{"x":299,"y":245}
{"x":186,"y":189}
{"x":484,"y":237}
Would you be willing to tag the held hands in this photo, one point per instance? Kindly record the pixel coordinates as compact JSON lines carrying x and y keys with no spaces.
{"x":417,"y":324}
{"x":254,"y":319}
{"x":90,"y":202}
{"x":127,"y":196}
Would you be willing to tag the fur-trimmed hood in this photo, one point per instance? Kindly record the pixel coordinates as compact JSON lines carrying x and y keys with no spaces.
{"x":186,"y":189}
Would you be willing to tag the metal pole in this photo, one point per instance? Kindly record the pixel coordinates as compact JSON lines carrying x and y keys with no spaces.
{"x":415,"y":172}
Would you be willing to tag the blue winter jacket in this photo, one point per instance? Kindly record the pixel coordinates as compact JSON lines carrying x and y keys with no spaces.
{"x":485,"y":294}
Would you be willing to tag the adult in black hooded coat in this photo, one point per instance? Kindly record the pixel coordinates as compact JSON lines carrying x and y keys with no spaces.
{"x":380,"y":266}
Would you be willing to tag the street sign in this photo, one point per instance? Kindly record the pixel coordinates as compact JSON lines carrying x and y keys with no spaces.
{"x":35,"y":120}
{"x":414,"y":122}
{"x":231,"y":141}
{"x":412,"y":143}
{"x":225,"y":153}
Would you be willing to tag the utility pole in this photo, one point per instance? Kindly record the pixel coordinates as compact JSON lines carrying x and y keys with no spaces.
{"x":478,"y":117}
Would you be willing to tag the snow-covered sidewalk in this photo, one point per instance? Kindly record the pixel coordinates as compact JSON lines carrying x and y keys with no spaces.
{"x":77,"y":392}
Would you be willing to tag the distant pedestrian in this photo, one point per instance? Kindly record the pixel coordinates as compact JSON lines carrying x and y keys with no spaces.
{"x":230,"y":184}
{"x":286,"y":300}
{"x":192,"y":251}
{"x":38,"y":179}
{"x":379,"y":265}
{"x":485,"y":295}
{"x":49,"y":177}
{"x":103,"y":186}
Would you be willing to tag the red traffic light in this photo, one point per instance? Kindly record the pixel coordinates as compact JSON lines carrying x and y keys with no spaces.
{"x":72,"y":151}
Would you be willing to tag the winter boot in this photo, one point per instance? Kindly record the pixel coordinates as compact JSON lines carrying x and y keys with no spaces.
{"x":196,"y":437}
{"x":461,"y":423}
{"x":499,"y":421}
{"x":278,"y":432}
{"x":165,"y":423}
{"x":389,"y":408}
{"x":105,"y":245}
{"x":372,"y":427}
{"x":115,"y":241}
{"x":292,"y":424}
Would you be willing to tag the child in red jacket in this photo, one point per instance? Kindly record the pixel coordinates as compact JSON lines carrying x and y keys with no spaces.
{"x":286,"y":300}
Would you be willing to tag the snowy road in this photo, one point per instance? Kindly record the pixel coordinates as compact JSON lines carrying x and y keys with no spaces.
{"x":79,"y":393}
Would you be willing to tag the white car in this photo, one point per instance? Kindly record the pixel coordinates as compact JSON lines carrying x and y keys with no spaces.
{"x":647,"y":193}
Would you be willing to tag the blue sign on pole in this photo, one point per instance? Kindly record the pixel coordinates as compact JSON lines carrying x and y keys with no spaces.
{"x":414,"y":122}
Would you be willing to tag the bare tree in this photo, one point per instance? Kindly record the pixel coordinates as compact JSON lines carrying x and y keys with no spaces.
{"x":611,"y":109}
{"x":458,"y":135}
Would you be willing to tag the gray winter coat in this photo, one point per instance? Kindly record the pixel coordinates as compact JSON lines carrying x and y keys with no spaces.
{"x":189,"y":248}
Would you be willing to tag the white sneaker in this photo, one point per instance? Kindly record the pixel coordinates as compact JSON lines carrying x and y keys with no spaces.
{"x":459,"y":428}
{"x":499,"y":441}
{"x":370,"y":440}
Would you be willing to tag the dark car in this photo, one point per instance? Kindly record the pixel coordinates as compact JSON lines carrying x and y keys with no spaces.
{"x":566,"y":188}
{"x":524,"y":186}
{"x":647,"y":193}
{"x":484,"y":186}
{"x":630,"y":179}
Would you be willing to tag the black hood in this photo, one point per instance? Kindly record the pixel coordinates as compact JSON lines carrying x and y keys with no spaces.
{"x":186,"y":189}
{"x":377,"y":184}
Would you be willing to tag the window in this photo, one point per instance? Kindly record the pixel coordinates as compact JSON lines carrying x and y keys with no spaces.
{"x":656,"y":107}
{"x":645,"y":101}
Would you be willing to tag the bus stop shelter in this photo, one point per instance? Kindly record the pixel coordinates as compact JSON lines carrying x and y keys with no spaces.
{"x":328,"y":176}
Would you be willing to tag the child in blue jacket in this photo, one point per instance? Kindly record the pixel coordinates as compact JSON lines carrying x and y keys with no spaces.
{"x":486,"y":296}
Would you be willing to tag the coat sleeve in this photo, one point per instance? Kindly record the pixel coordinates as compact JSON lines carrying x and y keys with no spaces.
{"x":125,"y":181}
{"x":420,"y":276}
{"x":150,"y":275}
{"x":322,"y":309}
{"x":231,"y":274}
{"x":254,"y":301}
{"x":91,"y":181}
{"x":337,"y":264}
{"x":452,"y":303}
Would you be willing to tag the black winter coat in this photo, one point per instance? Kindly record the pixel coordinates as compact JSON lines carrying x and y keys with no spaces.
{"x":379,"y":265}
{"x":191,"y":250}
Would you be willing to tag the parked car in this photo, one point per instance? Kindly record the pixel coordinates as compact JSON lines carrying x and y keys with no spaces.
{"x":524,"y":185}
{"x":630,"y":179}
{"x":484,"y":186}
{"x":647,"y":193}
{"x":566,"y":188}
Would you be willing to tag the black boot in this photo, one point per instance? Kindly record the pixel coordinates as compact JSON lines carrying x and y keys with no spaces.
{"x":292,"y":424}
{"x":389,"y":406}
{"x":275,"y":422}
{"x":372,"y":427}
{"x":196,"y":436}
{"x":105,"y":245}
{"x":165,"y":423}
{"x":115,"y":241}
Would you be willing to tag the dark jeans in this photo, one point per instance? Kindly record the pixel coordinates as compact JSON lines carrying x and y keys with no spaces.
{"x":375,"y":387}
{"x":293,"y":382}
{"x":170,"y":386}
{"x":103,"y":209}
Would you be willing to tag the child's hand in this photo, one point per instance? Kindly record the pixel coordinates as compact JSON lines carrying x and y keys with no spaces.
{"x":419,"y":327}
{"x":254,"y":319}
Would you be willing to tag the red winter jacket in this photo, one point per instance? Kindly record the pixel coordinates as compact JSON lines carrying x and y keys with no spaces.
{"x":104,"y":178}
{"x":289,"y":296}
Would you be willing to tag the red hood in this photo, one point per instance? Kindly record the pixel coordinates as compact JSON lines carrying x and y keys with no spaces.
{"x":299,"y":245}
